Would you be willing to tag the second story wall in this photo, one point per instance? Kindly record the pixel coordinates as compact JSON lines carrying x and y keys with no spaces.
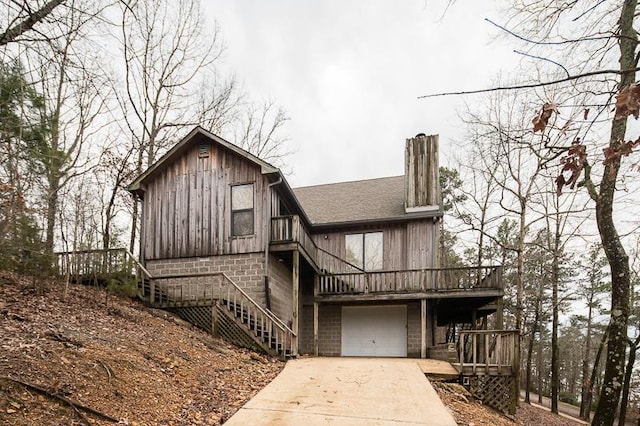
{"x":188,"y":208}
{"x":408,"y":245}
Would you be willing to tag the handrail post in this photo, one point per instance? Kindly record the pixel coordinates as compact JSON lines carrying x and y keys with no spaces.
{"x":152,"y":291}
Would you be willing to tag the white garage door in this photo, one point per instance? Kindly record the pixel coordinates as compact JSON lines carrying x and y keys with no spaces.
{"x":374,"y":331}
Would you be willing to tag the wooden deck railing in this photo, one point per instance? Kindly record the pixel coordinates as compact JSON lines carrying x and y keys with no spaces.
{"x":488,"y":351}
{"x":202,"y":289}
{"x":95,"y":263}
{"x":288,"y":229}
{"x":414,"y":280}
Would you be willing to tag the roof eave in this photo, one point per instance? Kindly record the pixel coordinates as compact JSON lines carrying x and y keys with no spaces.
{"x":136,"y":186}
{"x":434,"y":214}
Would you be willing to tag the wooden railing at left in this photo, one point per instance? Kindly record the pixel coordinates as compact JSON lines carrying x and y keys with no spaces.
{"x":95,"y":263}
{"x":488,"y":350}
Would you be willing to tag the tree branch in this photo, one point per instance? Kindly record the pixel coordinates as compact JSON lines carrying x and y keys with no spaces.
{"x":27,"y":24}
{"x":532,"y":85}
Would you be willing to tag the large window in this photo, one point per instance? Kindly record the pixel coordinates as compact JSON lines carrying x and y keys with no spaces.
{"x":242,"y":210}
{"x":365,"y":250}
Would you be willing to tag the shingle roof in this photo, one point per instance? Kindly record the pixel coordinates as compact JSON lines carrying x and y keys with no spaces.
{"x":362,"y":200}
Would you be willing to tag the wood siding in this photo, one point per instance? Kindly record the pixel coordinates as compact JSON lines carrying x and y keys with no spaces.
{"x":405,"y":246}
{"x":421,"y":172}
{"x":188,"y":207}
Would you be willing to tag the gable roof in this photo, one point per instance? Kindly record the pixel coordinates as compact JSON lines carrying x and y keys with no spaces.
{"x":357,"y":202}
{"x":195,"y":135}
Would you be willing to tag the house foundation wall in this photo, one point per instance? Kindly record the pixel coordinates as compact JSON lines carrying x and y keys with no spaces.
{"x":330,"y":330}
{"x":246,"y":270}
{"x":281,"y":290}
{"x":414,"y":330}
{"x":305,"y":331}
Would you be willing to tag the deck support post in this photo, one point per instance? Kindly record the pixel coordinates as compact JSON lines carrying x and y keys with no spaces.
{"x":214,"y":318}
{"x":152,"y":291}
{"x":499,"y":314}
{"x":423,"y":325}
{"x":315,"y":316}
{"x":296,"y":302}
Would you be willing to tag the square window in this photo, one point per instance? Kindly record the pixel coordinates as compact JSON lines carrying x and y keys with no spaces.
{"x":365,"y":251}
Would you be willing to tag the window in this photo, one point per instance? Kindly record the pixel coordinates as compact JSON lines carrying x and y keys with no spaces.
{"x":365,"y":250}
{"x":242,"y":210}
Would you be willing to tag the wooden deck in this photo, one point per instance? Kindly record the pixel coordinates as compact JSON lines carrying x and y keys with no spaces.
{"x":288,"y":233}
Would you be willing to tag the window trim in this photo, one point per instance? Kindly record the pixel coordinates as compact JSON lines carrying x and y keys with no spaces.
{"x":233,"y":212}
{"x":363,"y":246}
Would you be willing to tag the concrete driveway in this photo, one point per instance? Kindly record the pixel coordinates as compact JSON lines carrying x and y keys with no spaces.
{"x":346,"y":391}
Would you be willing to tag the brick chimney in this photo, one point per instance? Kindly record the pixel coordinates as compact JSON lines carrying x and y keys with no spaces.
{"x":422,"y":174}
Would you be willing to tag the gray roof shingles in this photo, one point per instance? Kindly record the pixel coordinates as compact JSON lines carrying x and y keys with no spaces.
{"x":362,"y":200}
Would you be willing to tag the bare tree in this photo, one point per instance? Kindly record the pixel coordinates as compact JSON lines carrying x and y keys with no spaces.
{"x":260,"y":133}
{"x":23,"y":16}
{"x":592,"y":291}
{"x":167,"y":54}
{"x":591,"y":49}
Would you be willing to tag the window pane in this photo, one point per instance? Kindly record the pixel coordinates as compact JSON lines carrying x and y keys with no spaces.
{"x":242,"y":197}
{"x":373,"y":251}
{"x":354,"y":249}
{"x":242,"y":223}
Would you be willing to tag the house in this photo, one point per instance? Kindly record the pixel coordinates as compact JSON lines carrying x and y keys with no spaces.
{"x":343,"y":269}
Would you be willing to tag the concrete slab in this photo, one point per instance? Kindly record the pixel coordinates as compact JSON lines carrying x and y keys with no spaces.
{"x":437,"y":367}
{"x":346,"y":391}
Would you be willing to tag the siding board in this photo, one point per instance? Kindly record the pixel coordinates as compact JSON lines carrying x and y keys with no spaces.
{"x":187,"y":206}
{"x":405,"y":246}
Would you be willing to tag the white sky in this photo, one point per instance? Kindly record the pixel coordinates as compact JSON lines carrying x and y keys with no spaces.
{"x":348,"y":74}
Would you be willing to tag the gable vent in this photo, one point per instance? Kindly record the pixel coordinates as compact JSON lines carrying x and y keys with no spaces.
{"x":203,"y":150}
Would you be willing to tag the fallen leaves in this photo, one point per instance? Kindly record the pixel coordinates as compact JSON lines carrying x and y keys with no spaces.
{"x":122,"y":360}
{"x":468,"y":412}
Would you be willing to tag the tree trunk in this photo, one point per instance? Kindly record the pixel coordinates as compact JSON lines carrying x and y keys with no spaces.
{"x":540,"y":384}
{"x":134,"y":213}
{"x":555,"y":350}
{"x":52,"y":206}
{"x":584,"y":407}
{"x":527,"y":385}
{"x":633,"y":348}
{"x":520,"y":290}
{"x":616,"y":255}
{"x":594,"y":371}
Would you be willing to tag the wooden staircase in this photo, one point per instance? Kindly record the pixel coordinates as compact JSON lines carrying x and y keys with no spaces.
{"x":216,"y":304}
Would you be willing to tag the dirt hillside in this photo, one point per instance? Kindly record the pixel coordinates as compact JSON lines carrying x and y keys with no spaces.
{"x":130,"y":364}
{"x":86,"y":357}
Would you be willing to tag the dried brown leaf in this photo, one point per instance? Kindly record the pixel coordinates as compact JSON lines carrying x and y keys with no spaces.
{"x":541,"y":120}
{"x":628,"y":102}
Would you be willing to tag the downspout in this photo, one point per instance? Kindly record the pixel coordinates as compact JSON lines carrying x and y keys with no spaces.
{"x":267,"y":239}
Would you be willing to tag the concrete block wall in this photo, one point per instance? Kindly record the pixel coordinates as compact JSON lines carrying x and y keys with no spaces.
{"x":414,"y":330}
{"x":281,"y":286}
{"x":246,"y":270}
{"x":305,"y":333}
{"x":329,"y":330}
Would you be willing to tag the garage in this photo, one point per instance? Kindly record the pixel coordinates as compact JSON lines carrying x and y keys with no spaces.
{"x":374,"y":331}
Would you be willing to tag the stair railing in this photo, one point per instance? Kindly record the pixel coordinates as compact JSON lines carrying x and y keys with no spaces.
{"x":280,"y":335}
{"x":225,"y":292}
{"x":142,"y":276}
